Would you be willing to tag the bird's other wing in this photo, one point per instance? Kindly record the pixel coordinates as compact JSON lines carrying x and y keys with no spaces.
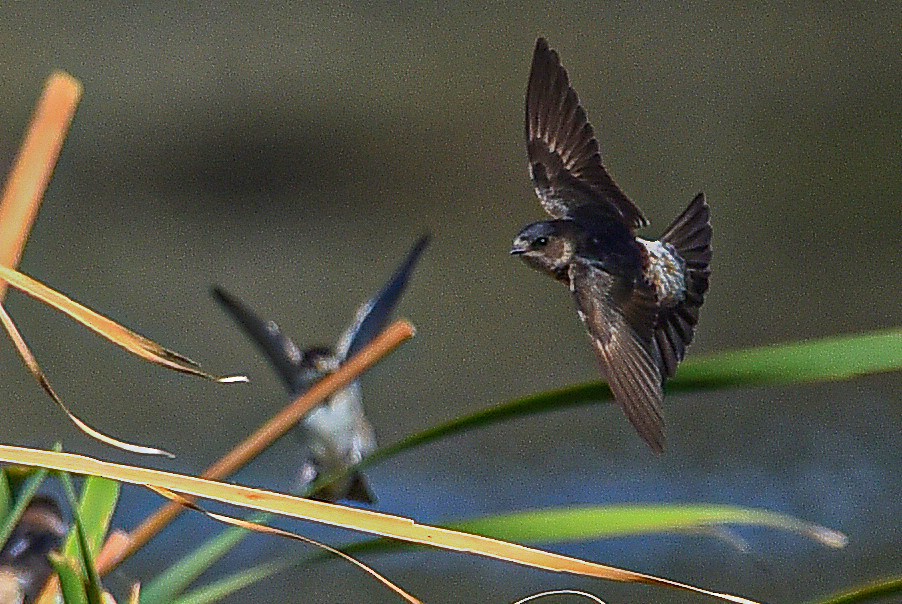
{"x":284,"y":354}
{"x":372,"y":316}
{"x":621,"y":319}
{"x":564,"y":157}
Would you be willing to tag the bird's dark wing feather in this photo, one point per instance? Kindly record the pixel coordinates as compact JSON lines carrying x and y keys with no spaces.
{"x":279,"y":349}
{"x":373,"y":315}
{"x":621,"y":319}
{"x":564,"y":157}
{"x":690,"y":236}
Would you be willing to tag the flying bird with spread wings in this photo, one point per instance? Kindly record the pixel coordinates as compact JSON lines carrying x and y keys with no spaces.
{"x":638,"y":299}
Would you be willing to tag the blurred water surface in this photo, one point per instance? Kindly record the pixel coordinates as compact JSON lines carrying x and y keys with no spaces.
{"x":293,"y":153}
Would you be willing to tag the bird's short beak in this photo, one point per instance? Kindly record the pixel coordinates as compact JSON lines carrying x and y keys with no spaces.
{"x":519,"y":248}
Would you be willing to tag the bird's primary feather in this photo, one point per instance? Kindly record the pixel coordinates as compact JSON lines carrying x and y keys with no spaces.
{"x":621,"y":318}
{"x":564,"y":156}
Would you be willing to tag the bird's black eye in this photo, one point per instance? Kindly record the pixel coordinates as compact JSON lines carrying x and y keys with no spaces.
{"x":540,"y":242}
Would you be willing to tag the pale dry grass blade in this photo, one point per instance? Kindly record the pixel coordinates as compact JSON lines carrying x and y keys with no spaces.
{"x":134,"y":596}
{"x":32,"y":364}
{"x":561,"y":592}
{"x":268,"y":530}
{"x":376,"y":523}
{"x":134,"y":343}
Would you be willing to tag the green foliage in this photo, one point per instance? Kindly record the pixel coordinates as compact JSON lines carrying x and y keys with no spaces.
{"x":95,"y":511}
{"x":72,"y":585}
{"x":605,"y":522}
{"x":872,"y":592}
{"x":556,"y":525}
{"x":6,"y":494}
{"x":24,"y":493}
{"x":91,"y":588}
{"x":79,"y":582}
{"x":823,"y":360}
{"x":176,"y":579}
{"x":218,"y":590}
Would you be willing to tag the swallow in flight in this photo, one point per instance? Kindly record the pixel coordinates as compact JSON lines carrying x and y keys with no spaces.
{"x":336,"y":433}
{"x":638,"y":299}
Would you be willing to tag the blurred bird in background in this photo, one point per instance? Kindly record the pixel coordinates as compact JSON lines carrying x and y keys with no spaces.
{"x":336,"y":433}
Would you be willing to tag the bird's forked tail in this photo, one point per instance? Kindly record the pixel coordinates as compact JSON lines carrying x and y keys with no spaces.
{"x":690,"y":236}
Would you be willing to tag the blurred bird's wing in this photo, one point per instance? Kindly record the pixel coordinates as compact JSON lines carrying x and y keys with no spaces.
{"x":284,"y":354}
{"x":621,"y":320}
{"x":564,"y":158}
{"x":372,"y":317}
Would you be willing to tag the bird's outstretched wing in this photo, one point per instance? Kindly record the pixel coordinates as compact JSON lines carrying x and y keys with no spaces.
{"x":284,"y":354}
{"x":564,"y":157}
{"x":373,"y":315}
{"x":621,"y":319}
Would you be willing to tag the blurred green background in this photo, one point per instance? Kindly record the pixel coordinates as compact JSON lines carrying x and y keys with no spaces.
{"x":293,"y":153}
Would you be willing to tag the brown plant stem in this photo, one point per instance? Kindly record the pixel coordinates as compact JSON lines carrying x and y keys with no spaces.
{"x":34,"y":166}
{"x":389,"y":340}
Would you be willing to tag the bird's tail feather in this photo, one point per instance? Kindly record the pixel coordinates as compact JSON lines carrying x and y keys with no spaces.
{"x":690,"y":235}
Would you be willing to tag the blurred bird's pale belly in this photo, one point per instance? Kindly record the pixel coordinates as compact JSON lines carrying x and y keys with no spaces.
{"x":338,"y":432}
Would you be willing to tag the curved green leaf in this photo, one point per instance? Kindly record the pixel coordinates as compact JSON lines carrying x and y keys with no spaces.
{"x":878,"y":590}
{"x":557,"y":525}
{"x":226,"y":586}
{"x":605,"y":522}
{"x":72,"y":585}
{"x":176,"y":579}
{"x":6,"y":494}
{"x":824,"y":360}
{"x":82,"y":547}
{"x":95,"y":511}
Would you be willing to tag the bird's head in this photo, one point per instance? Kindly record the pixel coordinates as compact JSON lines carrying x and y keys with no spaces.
{"x":317,"y":363}
{"x":546,"y":246}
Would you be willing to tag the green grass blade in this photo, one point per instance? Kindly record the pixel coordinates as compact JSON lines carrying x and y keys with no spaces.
{"x":826,"y":359}
{"x":23,"y":498}
{"x":173,"y":581}
{"x":93,"y":587}
{"x":6,"y":494}
{"x":605,"y":522}
{"x":559,"y":525}
{"x":95,"y":511}
{"x":878,"y":590}
{"x":72,"y":586}
{"x":572,"y":524}
{"x":226,"y":586}
{"x":823,"y":360}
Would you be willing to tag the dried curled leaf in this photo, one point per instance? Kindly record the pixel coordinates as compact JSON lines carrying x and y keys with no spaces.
{"x":268,"y":530}
{"x":134,"y":343}
{"x":31,"y":363}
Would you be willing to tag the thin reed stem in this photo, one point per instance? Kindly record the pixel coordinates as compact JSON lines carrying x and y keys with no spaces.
{"x":34,"y":166}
